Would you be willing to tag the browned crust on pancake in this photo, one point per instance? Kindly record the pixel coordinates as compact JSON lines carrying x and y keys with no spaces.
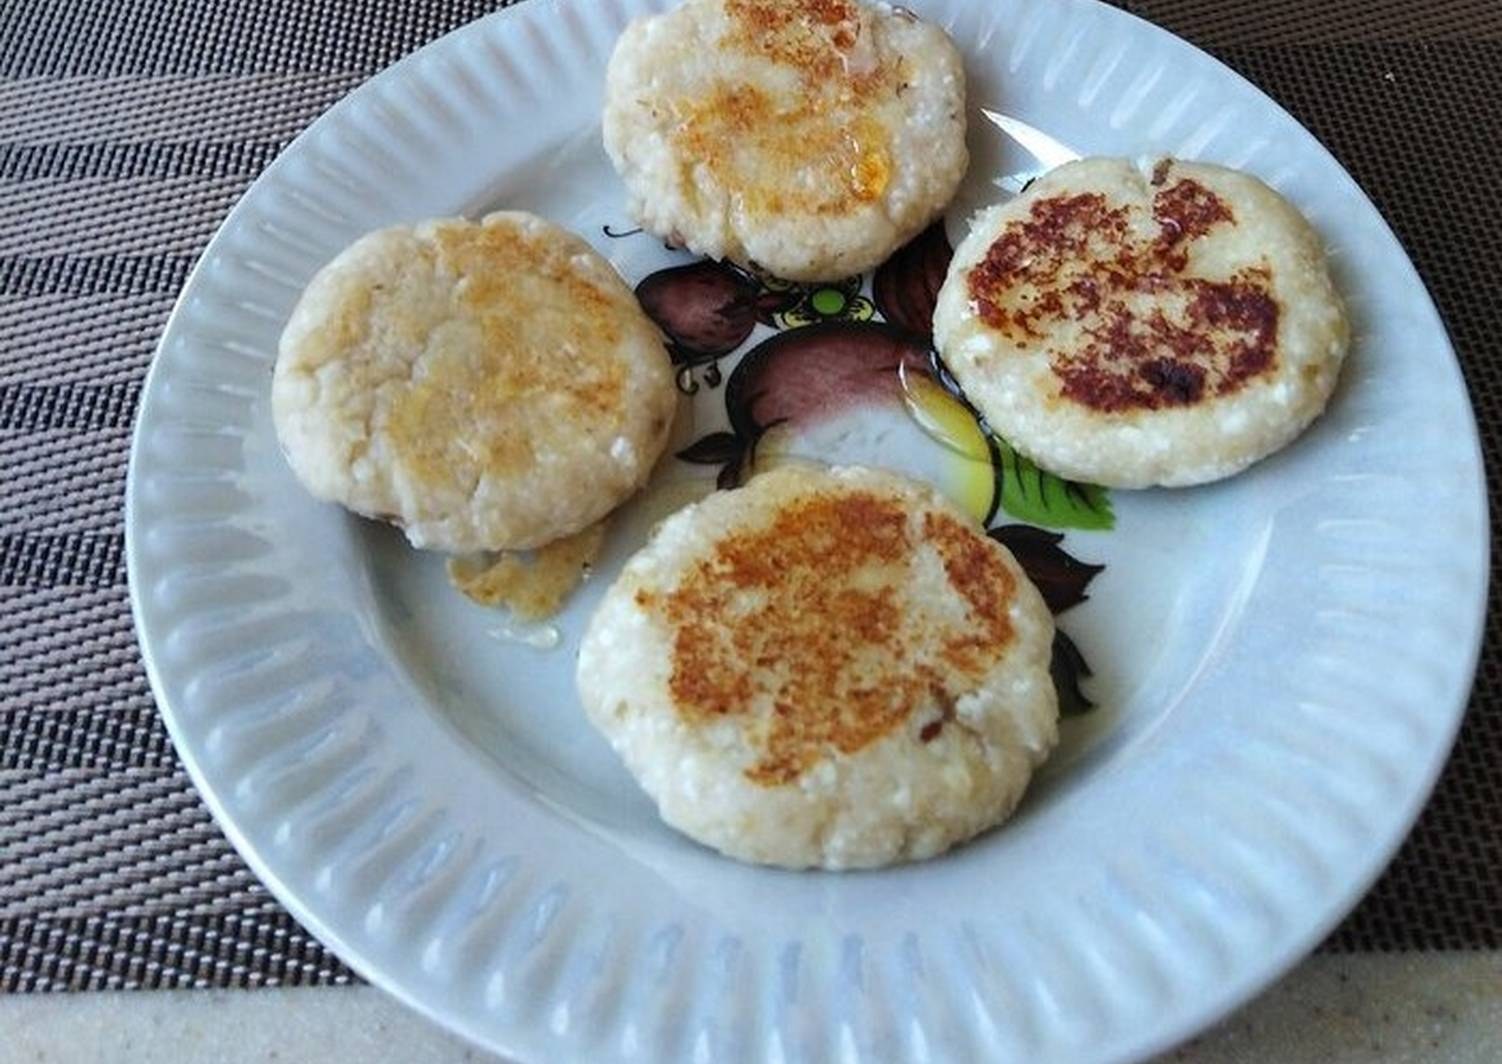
{"x":971,"y":563}
{"x":802,"y":628}
{"x":442,"y":422}
{"x":488,"y":259}
{"x":826,"y":120}
{"x":812,"y":36}
{"x":733,"y":121}
{"x":1157,"y":337}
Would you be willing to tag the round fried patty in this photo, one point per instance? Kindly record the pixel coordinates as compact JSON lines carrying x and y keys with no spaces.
{"x":809,"y":137}
{"x":1133,"y":326}
{"x":831,"y":668}
{"x":485,"y":385}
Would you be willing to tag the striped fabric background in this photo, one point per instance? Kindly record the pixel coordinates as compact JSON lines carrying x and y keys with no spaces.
{"x":128,"y":129}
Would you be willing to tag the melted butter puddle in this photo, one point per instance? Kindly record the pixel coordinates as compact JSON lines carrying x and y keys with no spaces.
{"x":533,"y":585}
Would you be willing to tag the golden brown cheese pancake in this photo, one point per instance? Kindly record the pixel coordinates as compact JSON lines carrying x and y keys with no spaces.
{"x":833,"y":668}
{"x":1131,"y":326}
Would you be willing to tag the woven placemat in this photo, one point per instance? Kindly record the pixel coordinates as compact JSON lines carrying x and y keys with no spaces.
{"x":128,"y":129}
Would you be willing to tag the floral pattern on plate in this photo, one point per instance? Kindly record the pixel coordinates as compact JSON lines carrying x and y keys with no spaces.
{"x":855,"y":377}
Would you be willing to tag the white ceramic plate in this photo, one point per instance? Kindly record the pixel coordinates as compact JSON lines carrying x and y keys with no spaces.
{"x":1280,"y":660}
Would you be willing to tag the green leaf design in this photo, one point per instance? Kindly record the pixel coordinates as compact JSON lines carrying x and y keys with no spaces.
{"x":1039,"y":498}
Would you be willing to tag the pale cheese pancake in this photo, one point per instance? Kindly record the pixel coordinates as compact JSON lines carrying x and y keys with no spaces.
{"x":808,"y":137}
{"x":486,"y":385}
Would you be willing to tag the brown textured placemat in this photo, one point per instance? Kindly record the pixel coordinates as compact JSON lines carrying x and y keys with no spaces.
{"x":126,"y":132}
